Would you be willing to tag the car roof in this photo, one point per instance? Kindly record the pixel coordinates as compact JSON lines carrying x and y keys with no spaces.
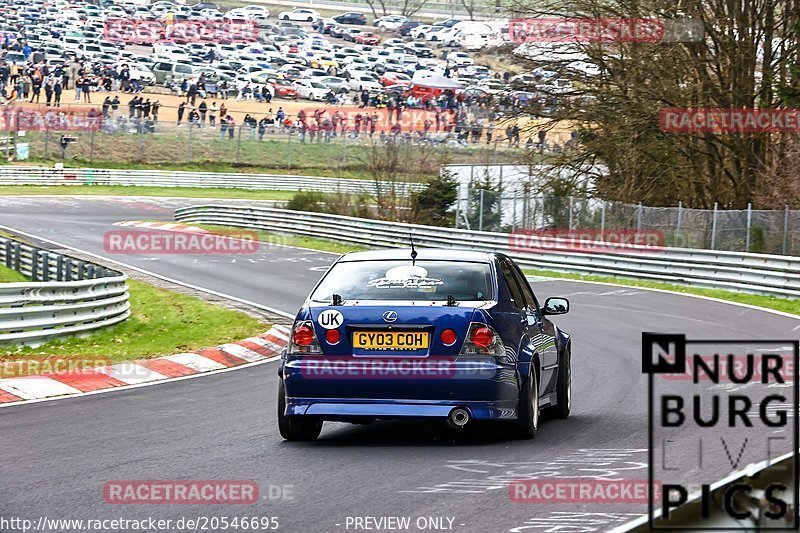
{"x":423,"y":254}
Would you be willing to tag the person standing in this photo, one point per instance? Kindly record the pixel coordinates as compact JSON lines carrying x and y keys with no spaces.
{"x":212,"y":114}
{"x":156,"y":107}
{"x":202,"y":109}
{"x":57,"y":90}
{"x":181,"y":111}
{"x":106,"y":106}
{"x":231,"y":125}
{"x":48,"y":91}
{"x":115,"y":105}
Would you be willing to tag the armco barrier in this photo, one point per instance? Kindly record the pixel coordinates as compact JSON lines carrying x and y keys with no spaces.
{"x":65,"y":296}
{"x":13,"y":175}
{"x":745,"y":272}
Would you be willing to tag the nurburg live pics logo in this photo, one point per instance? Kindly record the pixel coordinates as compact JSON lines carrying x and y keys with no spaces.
{"x":739,"y":408}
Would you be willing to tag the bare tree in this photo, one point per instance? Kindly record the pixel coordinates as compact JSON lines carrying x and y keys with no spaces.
{"x":617,"y":91}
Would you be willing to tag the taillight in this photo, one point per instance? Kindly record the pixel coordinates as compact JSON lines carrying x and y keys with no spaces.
{"x":482,"y":340}
{"x":448,"y":337}
{"x":303,"y":334}
{"x":304,"y":340}
{"x":482,"y":337}
{"x":333,"y":336}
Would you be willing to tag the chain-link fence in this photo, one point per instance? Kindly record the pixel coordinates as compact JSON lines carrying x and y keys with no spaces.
{"x":142,"y":141}
{"x":761,"y":231}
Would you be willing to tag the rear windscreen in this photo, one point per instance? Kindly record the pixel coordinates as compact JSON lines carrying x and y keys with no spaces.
{"x":400,"y":280}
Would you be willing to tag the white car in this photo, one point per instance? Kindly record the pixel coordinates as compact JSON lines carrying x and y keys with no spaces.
{"x":446,"y":36}
{"x":248,"y":12}
{"x":390,"y":22}
{"x":420,"y":31}
{"x":360,"y":81}
{"x":299,"y":15}
{"x":460,"y":59}
{"x":140,"y":72}
{"x":311,"y":89}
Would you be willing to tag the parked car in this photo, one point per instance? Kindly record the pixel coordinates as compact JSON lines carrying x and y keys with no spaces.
{"x":299,"y":14}
{"x":470,"y":316}
{"x":390,"y":22}
{"x":407,"y":26}
{"x":311,"y":89}
{"x":368,"y":38}
{"x":351,"y":17}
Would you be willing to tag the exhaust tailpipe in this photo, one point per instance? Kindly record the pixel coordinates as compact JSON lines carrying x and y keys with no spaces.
{"x":458,"y":418}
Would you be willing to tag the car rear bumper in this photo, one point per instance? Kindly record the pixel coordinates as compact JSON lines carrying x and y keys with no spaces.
{"x":347,"y":408}
{"x":486,"y":387}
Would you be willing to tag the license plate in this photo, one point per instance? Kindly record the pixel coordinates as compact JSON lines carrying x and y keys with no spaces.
{"x":390,"y":340}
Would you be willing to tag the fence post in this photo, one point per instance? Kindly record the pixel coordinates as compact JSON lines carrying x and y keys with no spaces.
{"x":189,"y":153}
{"x":680,"y":215}
{"x":344,"y":150}
{"x":603,"y":218}
{"x":239,"y":143}
{"x":458,"y":204}
{"x":714,"y":228}
{"x":785,"y":228}
{"x":749,"y":221}
{"x":571,"y":204}
{"x":639,"y":218}
{"x":141,"y":143}
{"x":91,"y":145}
{"x":46,"y":139}
{"x":289,"y":150}
{"x":514,"y":211}
{"x":480,"y":212}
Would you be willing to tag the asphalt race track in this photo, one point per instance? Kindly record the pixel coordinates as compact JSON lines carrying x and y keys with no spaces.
{"x":58,"y":455}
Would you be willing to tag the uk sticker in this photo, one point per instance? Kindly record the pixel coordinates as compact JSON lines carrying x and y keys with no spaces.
{"x":330,"y":319}
{"x":722,"y":433}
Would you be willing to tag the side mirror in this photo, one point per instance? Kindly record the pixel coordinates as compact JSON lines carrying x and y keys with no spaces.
{"x":555,"y":306}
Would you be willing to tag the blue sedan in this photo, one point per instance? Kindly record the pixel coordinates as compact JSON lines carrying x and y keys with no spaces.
{"x":429,"y":334}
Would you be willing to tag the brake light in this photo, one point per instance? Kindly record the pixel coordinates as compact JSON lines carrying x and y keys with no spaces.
{"x":303,"y":334}
{"x":482,"y":337}
{"x":448,"y":337}
{"x":304,"y":340}
{"x":333,"y":336}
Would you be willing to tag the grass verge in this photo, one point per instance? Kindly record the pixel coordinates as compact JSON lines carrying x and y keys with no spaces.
{"x":161,"y":323}
{"x":768,"y":302}
{"x":122,"y":190}
{"x":10,"y":276}
{"x":301,"y":241}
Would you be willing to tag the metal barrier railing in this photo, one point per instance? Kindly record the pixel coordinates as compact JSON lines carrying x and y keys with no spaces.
{"x":65,"y":296}
{"x":164,"y":178}
{"x":745,"y":272}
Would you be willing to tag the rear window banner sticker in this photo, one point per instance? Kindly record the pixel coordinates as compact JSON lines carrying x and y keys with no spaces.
{"x":406,"y":277}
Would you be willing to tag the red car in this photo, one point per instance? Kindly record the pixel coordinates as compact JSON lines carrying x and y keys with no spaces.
{"x":395,"y":78}
{"x":284,"y":89}
{"x":368,"y":38}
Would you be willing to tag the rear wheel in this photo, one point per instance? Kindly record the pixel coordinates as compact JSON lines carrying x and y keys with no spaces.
{"x":528,"y":412}
{"x":563,"y":387}
{"x":295,"y":428}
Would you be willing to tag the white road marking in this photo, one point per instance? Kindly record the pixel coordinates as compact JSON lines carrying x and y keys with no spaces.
{"x":195,"y":361}
{"x":131,"y":373}
{"x":36,"y":387}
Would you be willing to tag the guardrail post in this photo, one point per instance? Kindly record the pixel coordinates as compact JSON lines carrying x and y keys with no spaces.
{"x":60,"y":268}
{"x":68,"y":269}
{"x":17,"y":254}
{"x":7,"y":251}
{"x":785,"y":227}
{"x":90,"y":271}
{"x":45,"y":266}
{"x":714,"y":228}
{"x":749,"y":221}
{"x":80,"y":266}
{"x":34,"y":264}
